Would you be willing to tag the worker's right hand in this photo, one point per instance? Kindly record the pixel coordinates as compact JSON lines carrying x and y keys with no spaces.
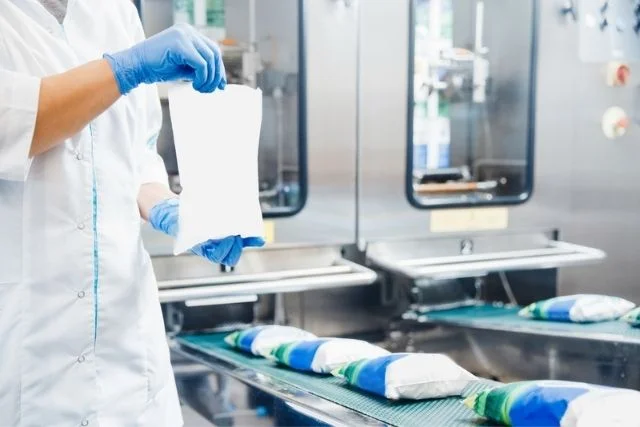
{"x":178,"y":53}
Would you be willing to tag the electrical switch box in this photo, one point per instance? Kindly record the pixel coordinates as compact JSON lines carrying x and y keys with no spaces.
{"x":609,"y":30}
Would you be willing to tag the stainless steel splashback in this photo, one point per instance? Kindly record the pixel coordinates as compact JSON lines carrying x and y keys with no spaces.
{"x":585,"y":185}
{"x":330,"y":45}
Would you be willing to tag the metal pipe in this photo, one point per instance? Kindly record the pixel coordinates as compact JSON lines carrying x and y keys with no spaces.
{"x":479,"y":44}
{"x":278,"y":99}
{"x":252,"y":26}
{"x":358,"y":118}
{"x":280,"y":312}
{"x":433,"y":100}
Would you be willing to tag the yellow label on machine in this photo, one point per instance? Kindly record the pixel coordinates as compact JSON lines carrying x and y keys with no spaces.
{"x":452,"y":220}
{"x":269,"y":232}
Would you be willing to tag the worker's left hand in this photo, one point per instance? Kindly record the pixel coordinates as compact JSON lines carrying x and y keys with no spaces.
{"x":164,"y":217}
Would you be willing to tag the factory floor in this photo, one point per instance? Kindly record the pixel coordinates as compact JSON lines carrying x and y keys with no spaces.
{"x":242,"y":415}
{"x":192,"y":419}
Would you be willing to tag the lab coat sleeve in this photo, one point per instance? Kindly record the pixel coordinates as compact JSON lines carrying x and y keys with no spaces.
{"x":151,"y":168}
{"x":19,"y":96}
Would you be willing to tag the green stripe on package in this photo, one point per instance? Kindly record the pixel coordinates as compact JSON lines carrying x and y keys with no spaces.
{"x":410,"y":376}
{"x":323,"y":355}
{"x":283,"y":353}
{"x":261,"y":340}
{"x":583,"y":308}
{"x":350,"y":372}
{"x":556,"y":403}
{"x":632,"y":317}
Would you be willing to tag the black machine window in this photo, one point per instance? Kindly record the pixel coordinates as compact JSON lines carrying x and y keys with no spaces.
{"x":471,"y":102}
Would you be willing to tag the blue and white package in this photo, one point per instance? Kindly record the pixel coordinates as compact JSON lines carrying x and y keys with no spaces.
{"x":557,"y":403}
{"x":260,"y":340}
{"x":324,"y":354}
{"x":414,"y":376}
{"x":578,"y":308}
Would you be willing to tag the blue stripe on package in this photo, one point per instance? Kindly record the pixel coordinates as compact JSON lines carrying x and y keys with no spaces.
{"x":325,"y":354}
{"x":298,"y":355}
{"x":560,"y":310}
{"x":557,"y":403}
{"x":246,"y":339}
{"x":543,"y":406}
{"x":414,"y":376}
{"x":578,"y":308}
{"x":260,"y":340}
{"x":372,"y":375}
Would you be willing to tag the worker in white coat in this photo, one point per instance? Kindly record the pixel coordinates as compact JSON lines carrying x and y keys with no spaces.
{"x":82,"y":339}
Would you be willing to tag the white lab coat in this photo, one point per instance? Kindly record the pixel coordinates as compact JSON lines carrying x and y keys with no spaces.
{"x":82,"y":340}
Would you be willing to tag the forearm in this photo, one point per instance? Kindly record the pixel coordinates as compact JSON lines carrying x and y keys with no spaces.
{"x":150,"y":195}
{"x":70,"y":101}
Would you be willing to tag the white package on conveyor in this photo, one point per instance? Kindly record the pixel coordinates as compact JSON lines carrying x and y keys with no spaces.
{"x":217,"y":137}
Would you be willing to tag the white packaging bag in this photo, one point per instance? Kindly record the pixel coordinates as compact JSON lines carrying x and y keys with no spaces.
{"x":411,"y":376}
{"x":323,"y":355}
{"x":217,"y":137}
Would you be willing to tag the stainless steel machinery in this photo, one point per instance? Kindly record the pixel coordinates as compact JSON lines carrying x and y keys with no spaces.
{"x":310,"y":209}
{"x":399,"y":184}
{"x":451,"y":258}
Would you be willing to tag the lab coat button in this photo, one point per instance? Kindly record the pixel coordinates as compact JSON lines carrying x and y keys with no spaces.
{"x":81,"y":226}
{"x":84,"y":423}
{"x":81,"y":294}
{"x":79,"y":156}
{"x":81,"y":359}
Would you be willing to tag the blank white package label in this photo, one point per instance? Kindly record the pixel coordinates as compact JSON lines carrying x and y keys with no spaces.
{"x":217,"y":136}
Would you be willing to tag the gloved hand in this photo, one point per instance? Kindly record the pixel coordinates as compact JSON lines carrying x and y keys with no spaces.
{"x":164,"y":217}
{"x":177,"y":53}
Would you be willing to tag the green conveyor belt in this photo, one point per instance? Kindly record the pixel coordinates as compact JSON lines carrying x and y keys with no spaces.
{"x":506,"y":318}
{"x":441,"y":413}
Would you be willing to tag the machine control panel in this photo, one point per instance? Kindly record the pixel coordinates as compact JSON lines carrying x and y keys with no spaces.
{"x":609,"y":29}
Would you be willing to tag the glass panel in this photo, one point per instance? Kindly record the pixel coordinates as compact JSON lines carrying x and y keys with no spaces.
{"x":471,"y":102}
{"x":261,"y":48}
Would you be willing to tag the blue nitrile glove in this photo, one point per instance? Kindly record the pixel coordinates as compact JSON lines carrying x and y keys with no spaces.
{"x":178,"y":53}
{"x":164,"y":217}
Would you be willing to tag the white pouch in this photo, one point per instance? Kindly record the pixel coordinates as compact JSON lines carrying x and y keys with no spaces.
{"x":608,"y":407}
{"x":260,"y":340}
{"x":216,"y":137}
{"x":581,"y":308}
{"x":323,"y":355}
{"x":413,"y":376}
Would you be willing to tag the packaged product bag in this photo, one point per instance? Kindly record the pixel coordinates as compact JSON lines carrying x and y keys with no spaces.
{"x":324,"y":354}
{"x":414,"y":376}
{"x":632,"y":317}
{"x":557,"y":403}
{"x":578,"y":308}
{"x":260,"y":340}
